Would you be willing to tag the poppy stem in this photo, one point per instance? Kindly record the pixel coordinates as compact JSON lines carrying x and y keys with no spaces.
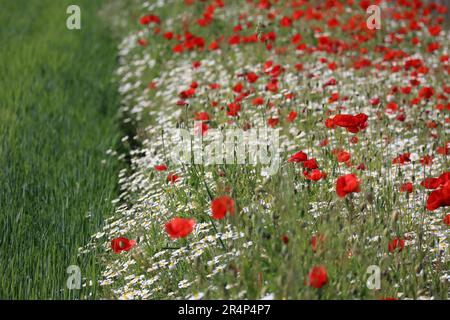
{"x":350,"y":207}
{"x":171,"y":248}
{"x":164,"y":146}
{"x":217,"y":232}
{"x":207,"y":190}
{"x":204,"y":182}
{"x":211,"y":198}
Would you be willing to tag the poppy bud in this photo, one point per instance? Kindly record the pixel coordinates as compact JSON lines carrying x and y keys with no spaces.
{"x":394,"y":216}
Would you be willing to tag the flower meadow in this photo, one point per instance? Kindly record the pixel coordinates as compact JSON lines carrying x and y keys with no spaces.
{"x":361,"y":118}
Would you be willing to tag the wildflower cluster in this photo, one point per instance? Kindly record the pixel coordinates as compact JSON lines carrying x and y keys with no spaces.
{"x":362,"y":121}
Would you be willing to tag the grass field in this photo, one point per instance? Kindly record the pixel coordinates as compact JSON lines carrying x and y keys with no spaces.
{"x":57,"y":119}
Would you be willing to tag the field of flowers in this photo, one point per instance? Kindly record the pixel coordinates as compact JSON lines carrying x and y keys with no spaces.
{"x":348,"y":183}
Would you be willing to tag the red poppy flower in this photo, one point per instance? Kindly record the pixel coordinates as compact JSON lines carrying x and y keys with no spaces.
{"x":434,"y":200}
{"x":272,"y":86}
{"x":272,"y":122}
{"x":431,"y":183}
{"x":168,"y":35}
{"x":361,"y":120}
{"x":334,"y":97}
{"x":258,"y":101}
{"x":202,"y":116}
{"x":317,"y":277}
{"x":439,"y":198}
{"x":142,"y":42}
{"x":401,"y":159}
{"x":172,"y":178}
{"x":122,"y":244}
{"x":443,"y":150}
{"x":285,"y":239}
{"x":234,"y":40}
{"x":221,"y":206}
{"x":396,"y":244}
{"x":310,"y":164}
{"x":432,"y":124}
{"x":149,"y":19}
{"x":407,"y":187}
{"x":314,"y":175}
{"x":179,"y":227}
{"x":426,"y":92}
{"x":391,"y":107}
{"x":347,"y":184}
{"x":434,"y":30}
{"x":329,"y":123}
{"x":189,"y":93}
{"x":375,"y":101}
{"x":354,"y":140}
{"x":161,"y":167}
{"x":285,"y":22}
{"x":299,"y":67}
{"x":406,"y":90}
{"x":238,"y":87}
{"x":344,"y":120}
{"x":252,"y":77}
{"x":200,"y":128}
{"x":330,"y":82}
{"x":298,"y":157}
{"x":352,"y":123}
{"x":214,"y":45}
{"x":178,"y":48}
{"x":433,"y":46}
{"x":446,"y":220}
{"x":401,"y":117}
{"x":324,"y":142}
{"x":292,"y":116}
{"x":444,"y":178}
{"x":233,"y":109}
{"x":343,"y":156}
{"x":214,"y":86}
